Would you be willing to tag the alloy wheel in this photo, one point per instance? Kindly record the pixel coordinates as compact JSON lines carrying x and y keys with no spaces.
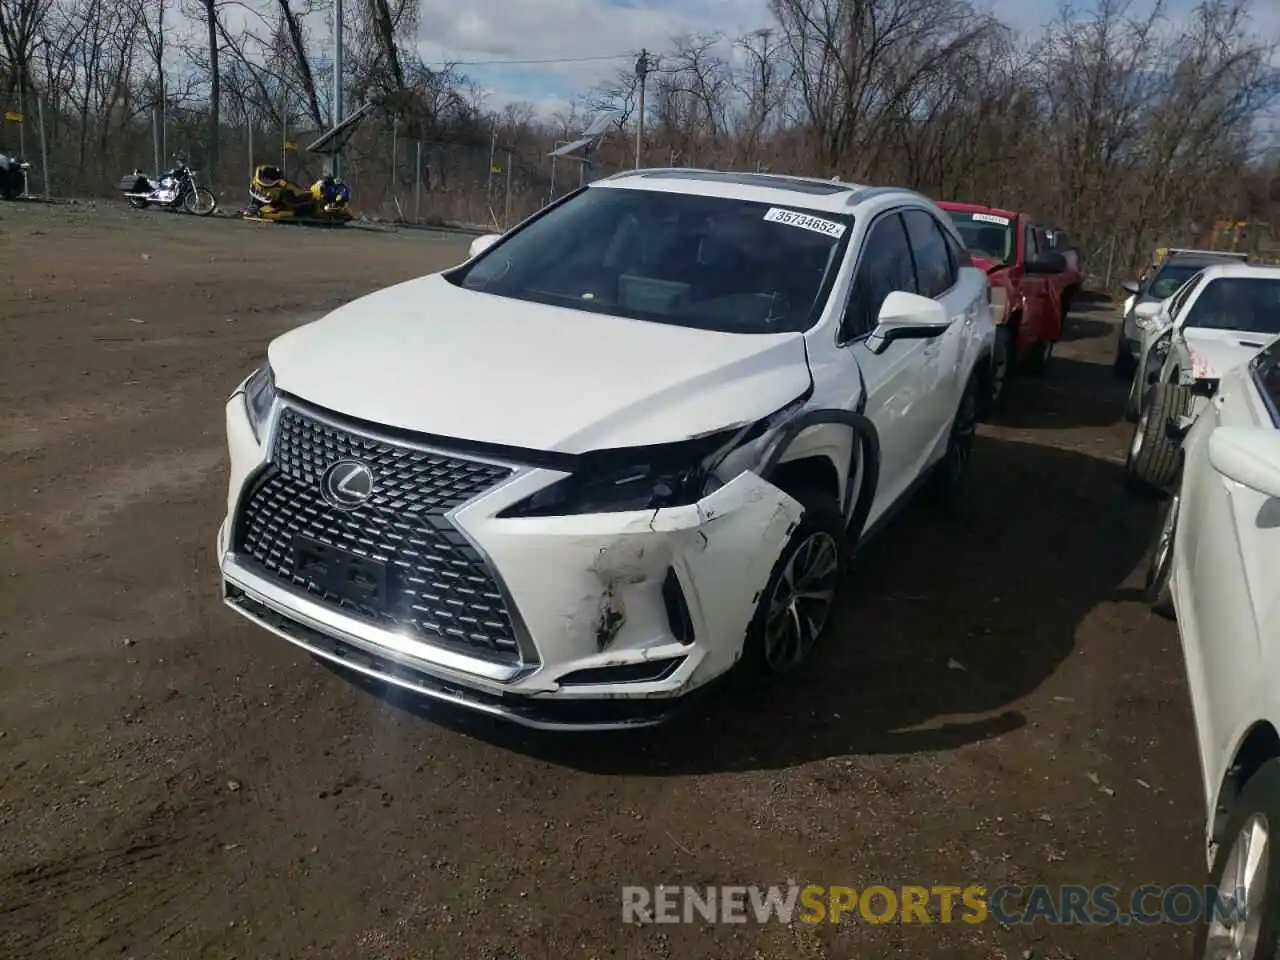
{"x":801,"y":601}
{"x":963,"y":430}
{"x":1139,"y":434}
{"x":1243,"y":885}
{"x":999,"y":376}
{"x":1164,"y":541}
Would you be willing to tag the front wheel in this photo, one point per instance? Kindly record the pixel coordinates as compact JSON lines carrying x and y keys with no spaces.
{"x":1156,"y":590}
{"x":1244,"y":923}
{"x":1124,"y":363}
{"x":1133,"y":402}
{"x":795,"y":606}
{"x":1001,"y":368}
{"x":200,"y":202}
{"x":1153,"y":457}
{"x":1038,"y":357}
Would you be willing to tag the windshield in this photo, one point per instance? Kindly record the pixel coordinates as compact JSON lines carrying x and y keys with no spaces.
{"x":706,"y":262}
{"x":1169,"y":279}
{"x":985,"y":234}
{"x":1247,"y":304}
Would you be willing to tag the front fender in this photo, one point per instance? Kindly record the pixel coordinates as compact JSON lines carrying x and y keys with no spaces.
{"x":863,"y":460}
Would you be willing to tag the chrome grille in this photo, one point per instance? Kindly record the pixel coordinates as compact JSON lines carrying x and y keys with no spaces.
{"x":437,"y":586}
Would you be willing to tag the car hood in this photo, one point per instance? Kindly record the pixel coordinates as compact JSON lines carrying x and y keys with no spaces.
{"x":987,"y":264}
{"x":433,"y":358}
{"x":1214,"y":352}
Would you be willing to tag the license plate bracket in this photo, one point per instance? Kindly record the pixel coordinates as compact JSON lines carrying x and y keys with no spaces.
{"x":361,"y":580}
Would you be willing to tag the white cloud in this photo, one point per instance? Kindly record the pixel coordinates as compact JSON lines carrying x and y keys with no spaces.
{"x":566,"y":30}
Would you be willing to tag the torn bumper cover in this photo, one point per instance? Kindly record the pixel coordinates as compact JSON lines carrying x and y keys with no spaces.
{"x":617,"y":616}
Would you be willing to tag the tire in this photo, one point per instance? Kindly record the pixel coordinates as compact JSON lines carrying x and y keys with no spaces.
{"x":1001,"y":370}
{"x":1153,"y":458}
{"x":1038,"y":357}
{"x":137,"y":203}
{"x":1124,"y":364}
{"x":780,"y":636}
{"x":1156,"y":590}
{"x":1133,"y":402}
{"x":200,"y":202}
{"x":950,"y":475}
{"x":8,"y":187}
{"x":1255,"y":816}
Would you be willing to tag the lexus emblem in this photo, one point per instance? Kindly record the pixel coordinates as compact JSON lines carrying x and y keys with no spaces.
{"x":347,"y":484}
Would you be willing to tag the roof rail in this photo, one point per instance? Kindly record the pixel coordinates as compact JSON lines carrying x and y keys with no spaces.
{"x":868,"y":193}
{"x":643,"y":171}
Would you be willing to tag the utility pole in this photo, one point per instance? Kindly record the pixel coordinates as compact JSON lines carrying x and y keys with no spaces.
{"x":337,"y":81}
{"x":493,"y":148}
{"x":643,"y":65}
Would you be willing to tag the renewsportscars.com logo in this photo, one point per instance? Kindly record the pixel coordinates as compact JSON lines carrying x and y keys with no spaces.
{"x":1009,"y":905}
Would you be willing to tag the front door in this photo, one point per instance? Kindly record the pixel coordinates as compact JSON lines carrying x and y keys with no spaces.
{"x":898,"y":378}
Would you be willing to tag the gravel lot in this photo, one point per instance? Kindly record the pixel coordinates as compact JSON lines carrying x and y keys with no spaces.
{"x":177,"y":783}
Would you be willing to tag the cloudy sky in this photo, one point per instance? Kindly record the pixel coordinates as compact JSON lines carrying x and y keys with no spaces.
{"x":478,"y":32}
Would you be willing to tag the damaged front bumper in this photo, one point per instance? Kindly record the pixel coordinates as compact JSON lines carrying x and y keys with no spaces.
{"x":618,"y":616}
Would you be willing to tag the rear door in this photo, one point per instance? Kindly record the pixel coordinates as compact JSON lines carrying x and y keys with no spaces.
{"x":937,"y":277}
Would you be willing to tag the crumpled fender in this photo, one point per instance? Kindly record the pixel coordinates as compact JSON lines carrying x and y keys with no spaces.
{"x":865,"y":453}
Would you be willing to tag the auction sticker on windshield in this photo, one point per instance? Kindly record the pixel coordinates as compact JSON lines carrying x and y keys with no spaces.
{"x":805,"y":222}
{"x":991,"y":218}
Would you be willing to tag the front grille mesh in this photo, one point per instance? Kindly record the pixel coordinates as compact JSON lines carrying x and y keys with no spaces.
{"x":438,"y":587}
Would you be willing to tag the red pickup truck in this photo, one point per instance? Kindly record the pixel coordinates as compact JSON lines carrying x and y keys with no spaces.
{"x":1032,"y":284}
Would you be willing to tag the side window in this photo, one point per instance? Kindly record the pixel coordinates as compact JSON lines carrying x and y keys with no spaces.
{"x":885,"y":266}
{"x":1183,"y":295}
{"x":1029,"y":251}
{"x":934,"y":272}
{"x":959,"y":255}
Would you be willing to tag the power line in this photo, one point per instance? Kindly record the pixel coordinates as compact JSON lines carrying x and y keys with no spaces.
{"x":508,"y":63}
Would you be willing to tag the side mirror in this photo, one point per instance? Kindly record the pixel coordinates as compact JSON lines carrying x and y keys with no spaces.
{"x":1248,"y":455}
{"x":1046,"y":263}
{"x":480,"y":244}
{"x":907,"y":316}
{"x":1131,"y":286}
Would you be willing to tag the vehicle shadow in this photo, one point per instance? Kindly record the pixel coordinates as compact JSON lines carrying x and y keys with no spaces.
{"x":1091,"y":298}
{"x":948,"y":620}
{"x":1071,"y":393}
{"x":1081,"y":326}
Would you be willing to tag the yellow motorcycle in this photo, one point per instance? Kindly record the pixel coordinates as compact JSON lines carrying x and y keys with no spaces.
{"x":275,"y":199}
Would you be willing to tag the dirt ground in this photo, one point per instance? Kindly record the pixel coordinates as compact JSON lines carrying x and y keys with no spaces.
{"x":177,"y":783}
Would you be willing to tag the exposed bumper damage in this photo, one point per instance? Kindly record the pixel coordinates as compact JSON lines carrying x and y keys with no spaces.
{"x":618,"y":615}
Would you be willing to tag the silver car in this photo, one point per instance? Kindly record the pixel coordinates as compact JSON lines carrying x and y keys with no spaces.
{"x":1159,"y":284}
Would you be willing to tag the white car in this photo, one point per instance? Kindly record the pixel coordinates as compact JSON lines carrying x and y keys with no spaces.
{"x":621,"y":449}
{"x":1219,"y":318}
{"x":1214,"y":566}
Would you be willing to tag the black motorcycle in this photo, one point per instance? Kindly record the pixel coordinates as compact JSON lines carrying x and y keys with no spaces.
{"x":176,"y":190}
{"x":13,"y":177}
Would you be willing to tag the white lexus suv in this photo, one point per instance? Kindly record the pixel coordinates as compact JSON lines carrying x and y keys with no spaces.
{"x":617,"y":451}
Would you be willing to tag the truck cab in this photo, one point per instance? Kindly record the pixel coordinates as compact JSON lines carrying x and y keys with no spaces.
{"x":1032,"y":283}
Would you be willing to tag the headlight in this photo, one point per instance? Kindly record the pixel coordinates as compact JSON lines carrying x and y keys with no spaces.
{"x":649,"y":478}
{"x":259,"y":395}
{"x":998,"y":297}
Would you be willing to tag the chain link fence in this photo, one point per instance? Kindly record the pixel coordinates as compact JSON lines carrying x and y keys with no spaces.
{"x":481,"y":185}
